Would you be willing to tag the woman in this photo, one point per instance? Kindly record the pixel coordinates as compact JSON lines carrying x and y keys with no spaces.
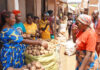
{"x":85,"y":39}
{"x":69,"y":24}
{"x":96,"y":21}
{"x":97,"y":29}
{"x":19,"y":25}
{"x":45,"y":27}
{"x":36,"y":20}
{"x":31,"y":28}
{"x":51,"y":20}
{"x":11,"y":54}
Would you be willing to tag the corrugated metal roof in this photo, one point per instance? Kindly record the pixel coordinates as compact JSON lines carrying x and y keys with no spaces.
{"x":71,"y":1}
{"x":74,"y":1}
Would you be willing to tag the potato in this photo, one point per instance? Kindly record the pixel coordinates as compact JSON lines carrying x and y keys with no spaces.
{"x":42,"y":48}
{"x":33,"y":68}
{"x":24,"y":67}
{"x":29,"y":48}
{"x":42,"y":68}
{"x":30,"y":51}
{"x":29,"y":65}
{"x":10,"y":68}
{"x":38,"y":53}
{"x":38,"y":65}
{"x":27,"y":51}
{"x":45,"y":52}
{"x":33,"y":63}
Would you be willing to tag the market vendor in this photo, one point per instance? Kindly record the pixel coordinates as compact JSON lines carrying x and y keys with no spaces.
{"x":11,"y":54}
{"x":36,"y":21}
{"x":19,"y":25}
{"x":85,"y":39}
{"x":30,"y":26}
{"x":45,"y":27}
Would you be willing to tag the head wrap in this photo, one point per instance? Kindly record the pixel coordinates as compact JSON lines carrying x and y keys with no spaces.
{"x":16,"y":12}
{"x":84,"y":19}
{"x":47,"y":14}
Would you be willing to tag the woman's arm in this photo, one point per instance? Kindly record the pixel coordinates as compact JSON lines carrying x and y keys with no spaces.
{"x":45,"y":27}
{"x":85,"y":61}
{"x":74,"y":32}
{"x":35,"y":42}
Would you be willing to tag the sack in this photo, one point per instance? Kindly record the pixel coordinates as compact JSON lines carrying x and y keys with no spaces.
{"x":70,"y":47}
{"x":63,"y":27}
{"x":48,"y":61}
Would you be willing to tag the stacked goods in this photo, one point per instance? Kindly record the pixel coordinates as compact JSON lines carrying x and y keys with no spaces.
{"x":30,"y":66}
{"x":47,"y":57}
{"x":40,"y":50}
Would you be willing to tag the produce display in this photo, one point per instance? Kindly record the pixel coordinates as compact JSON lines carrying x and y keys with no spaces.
{"x":30,"y":66}
{"x":40,"y":50}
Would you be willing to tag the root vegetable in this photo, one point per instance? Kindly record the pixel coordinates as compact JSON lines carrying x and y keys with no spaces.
{"x":30,"y":51}
{"x":42,"y":68}
{"x":29,"y":65}
{"x":33,"y":68}
{"x":38,"y":65}
{"x":33,"y":63}
{"x":24,"y":67}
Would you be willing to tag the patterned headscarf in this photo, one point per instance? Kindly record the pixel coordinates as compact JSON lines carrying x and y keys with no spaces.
{"x":84,"y":19}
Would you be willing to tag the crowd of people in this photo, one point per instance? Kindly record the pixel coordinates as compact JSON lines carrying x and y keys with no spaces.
{"x":15,"y":36}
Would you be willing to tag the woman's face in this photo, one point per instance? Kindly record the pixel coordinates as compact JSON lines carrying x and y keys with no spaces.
{"x":81,"y":26}
{"x":29,"y":20}
{"x":12,"y":20}
{"x":18,"y":18}
{"x":36,"y":20}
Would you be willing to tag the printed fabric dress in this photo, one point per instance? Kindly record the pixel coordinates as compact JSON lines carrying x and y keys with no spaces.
{"x":12,"y":52}
{"x":86,"y":41}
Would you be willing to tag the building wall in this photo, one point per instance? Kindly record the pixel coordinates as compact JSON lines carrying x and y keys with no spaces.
{"x":93,"y":5}
{"x":93,"y":2}
{"x":51,"y":5}
{"x":22,"y":8}
{"x":38,"y":8}
{"x":3,"y":5}
{"x":10,"y":5}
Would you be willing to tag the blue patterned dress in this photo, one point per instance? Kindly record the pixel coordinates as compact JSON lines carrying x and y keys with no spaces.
{"x":12,"y":52}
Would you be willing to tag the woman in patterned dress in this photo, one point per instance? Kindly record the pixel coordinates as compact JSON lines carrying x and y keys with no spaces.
{"x":85,"y":39}
{"x":11,"y":54}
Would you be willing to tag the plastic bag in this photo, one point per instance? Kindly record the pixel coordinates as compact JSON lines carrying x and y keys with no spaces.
{"x":48,"y":61}
{"x":70,"y":47}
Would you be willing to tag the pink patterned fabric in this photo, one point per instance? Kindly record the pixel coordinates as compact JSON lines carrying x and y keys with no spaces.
{"x":85,"y":19}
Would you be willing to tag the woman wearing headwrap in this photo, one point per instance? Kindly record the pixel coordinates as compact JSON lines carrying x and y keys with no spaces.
{"x":19,"y":25}
{"x":45,"y":27}
{"x":85,"y":39}
{"x":30,"y":26}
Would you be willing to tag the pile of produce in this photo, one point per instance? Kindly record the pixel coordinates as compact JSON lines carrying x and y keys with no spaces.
{"x":40,"y":50}
{"x":31,"y":66}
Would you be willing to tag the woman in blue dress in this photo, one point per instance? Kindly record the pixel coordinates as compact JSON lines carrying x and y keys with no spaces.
{"x":12,"y":52}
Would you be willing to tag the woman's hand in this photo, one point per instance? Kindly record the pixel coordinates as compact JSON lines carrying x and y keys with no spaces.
{"x":44,"y":44}
{"x":26,"y":35}
{"x":81,"y":68}
{"x":74,"y":29}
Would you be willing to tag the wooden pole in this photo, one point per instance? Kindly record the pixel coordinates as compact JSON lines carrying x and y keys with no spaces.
{"x":55,"y":15}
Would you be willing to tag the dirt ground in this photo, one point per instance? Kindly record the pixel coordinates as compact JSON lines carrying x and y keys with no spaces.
{"x":67,"y":62}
